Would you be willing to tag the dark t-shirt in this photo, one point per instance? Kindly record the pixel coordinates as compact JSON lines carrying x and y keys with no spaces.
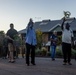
{"x":54,"y":37}
{"x":11,"y":33}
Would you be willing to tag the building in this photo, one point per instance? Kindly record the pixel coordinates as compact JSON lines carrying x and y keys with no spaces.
{"x":48,"y":26}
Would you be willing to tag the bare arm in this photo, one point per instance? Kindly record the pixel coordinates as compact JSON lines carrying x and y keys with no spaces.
{"x":9,"y":38}
{"x":62,"y":24}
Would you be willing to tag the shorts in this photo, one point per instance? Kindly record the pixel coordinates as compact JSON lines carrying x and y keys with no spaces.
{"x":10,"y":47}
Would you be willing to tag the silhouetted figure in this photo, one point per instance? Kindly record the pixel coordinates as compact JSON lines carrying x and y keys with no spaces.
{"x":10,"y":35}
{"x":23,"y":47}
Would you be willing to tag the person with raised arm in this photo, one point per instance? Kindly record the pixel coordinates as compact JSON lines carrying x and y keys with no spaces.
{"x":67,"y":41}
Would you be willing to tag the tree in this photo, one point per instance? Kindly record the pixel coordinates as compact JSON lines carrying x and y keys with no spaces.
{"x":2,"y":35}
{"x":39,"y":38}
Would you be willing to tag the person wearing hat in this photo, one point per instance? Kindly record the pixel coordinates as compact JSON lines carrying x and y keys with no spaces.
{"x":67,"y":41}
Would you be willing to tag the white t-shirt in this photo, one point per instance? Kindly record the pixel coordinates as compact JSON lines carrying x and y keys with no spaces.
{"x":66,"y":35}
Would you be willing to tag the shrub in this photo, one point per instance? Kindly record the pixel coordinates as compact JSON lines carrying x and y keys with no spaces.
{"x":48,"y":53}
{"x":58,"y":53}
{"x":73,"y":53}
{"x":38,"y":52}
{"x":43,"y":51}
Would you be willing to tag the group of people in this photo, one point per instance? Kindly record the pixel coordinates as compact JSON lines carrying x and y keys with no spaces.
{"x":31,"y":42}
{"x":67,"y":42}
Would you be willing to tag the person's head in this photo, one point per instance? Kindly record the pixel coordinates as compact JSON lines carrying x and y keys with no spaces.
{"x":31,"y":20}
{"x":11,"y":26}
{"x":30,"y":23}
{"x":67,"y":26}
{"x":55,"y":32}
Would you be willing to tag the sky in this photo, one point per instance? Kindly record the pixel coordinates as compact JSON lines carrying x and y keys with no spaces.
{"x":19,"y":12}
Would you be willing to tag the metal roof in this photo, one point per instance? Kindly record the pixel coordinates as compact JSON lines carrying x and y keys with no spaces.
{"x":49,"y":25}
